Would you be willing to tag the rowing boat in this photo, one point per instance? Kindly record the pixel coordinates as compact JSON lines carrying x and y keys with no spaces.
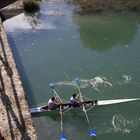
{"x":86,"y":105}
{"x":89,"y":103}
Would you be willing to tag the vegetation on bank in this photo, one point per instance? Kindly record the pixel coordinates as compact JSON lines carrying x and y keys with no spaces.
{"x":87,"y":6}
{"x":31,"y":6}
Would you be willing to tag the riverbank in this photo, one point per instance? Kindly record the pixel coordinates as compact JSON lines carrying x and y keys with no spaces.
{"x":11,"y":10}
{"x":16,"y":5}
{"x":88,"y":6}
{"x":15,"y":118}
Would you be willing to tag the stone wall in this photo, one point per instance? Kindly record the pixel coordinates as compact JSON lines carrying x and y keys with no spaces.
{"x":15,"y":118}
{"x":87,"y":6}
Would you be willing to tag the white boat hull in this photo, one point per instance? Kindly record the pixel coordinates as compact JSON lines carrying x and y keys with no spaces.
{"x":115,"y":101}
{"x":96,"y":103}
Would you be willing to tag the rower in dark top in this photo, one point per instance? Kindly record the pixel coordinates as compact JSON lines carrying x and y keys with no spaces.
{"x":74,"y":101}
{"x":53,"y":104}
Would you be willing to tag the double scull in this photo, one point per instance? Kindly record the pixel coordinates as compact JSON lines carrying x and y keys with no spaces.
{"x":84,"y":104}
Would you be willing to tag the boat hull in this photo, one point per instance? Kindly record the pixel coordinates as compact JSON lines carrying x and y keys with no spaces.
{"x":88,"y":104}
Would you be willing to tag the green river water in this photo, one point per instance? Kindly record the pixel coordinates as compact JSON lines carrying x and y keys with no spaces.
{"x":103,"y":50}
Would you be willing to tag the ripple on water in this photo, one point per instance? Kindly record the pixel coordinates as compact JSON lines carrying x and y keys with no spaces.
{"x":125,"y":79}
{"x":121,"y":124}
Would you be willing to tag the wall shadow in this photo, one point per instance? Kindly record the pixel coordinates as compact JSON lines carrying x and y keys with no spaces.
{"x":10,"y":111}
{"x":4,"y":3}
{"x":7,"y":14}
{"x":21,"y":71}
{"x":20,"y":123}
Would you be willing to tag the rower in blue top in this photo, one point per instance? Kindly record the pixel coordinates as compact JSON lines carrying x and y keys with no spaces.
{"x":53,"y":104}
{"x":74,"y":101}
{"x":63,"y":135}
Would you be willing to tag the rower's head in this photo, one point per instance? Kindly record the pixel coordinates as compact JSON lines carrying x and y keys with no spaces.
{"x":74,"y":95}
{"x":53,"y":98}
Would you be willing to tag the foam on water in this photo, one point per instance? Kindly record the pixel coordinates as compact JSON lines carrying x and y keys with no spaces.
{"x":99,"y":81}
{"x":66,"y":83}
{"x":125,"y":79}
{"x":95,"y":82}
{"x":121,"y":124}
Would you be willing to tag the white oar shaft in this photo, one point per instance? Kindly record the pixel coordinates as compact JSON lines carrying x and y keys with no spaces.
{"x":61,"y":115}
{"x":61,"y":109}
{"x":84,"y":108}
{"x":88,"y":120}
{"x":56,"y":94}
{"x":63,"y":135}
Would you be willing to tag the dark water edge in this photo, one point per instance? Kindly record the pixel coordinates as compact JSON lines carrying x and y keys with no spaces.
{"x":90,"y":6}
{"x":10,"y":13}
{"x":4,"y":3}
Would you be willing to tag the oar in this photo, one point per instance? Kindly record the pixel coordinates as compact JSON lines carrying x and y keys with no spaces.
{"x":63,"y":135}
{"x":92,"y":131}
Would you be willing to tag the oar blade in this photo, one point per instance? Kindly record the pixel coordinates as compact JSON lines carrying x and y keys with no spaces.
{"x":77,"y":81}
{"x":51,"y":85}
{"x":63,"y":136}
{"x":92,"y":133}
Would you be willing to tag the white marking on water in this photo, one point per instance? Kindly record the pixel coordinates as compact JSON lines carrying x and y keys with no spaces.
{"x":95,"y":82}
{"x":99,"y":81}
{"x":125,"y":79}
{"x":121,"y":124}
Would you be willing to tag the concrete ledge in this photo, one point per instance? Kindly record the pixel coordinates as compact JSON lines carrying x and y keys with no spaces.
{"x":15,"y":118}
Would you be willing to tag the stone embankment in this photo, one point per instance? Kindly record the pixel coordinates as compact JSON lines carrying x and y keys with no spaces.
{"x":11,"y":10}
{"x":14,"y":6}
{"x":15,"y":118}
{"x":88,"y":6}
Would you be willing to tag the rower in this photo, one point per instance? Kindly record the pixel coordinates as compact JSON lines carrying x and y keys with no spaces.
{"x":52,"y":103}
{"x":74,"y":101}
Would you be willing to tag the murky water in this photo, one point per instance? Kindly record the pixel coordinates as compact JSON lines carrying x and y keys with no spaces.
{"x":101,"y":49}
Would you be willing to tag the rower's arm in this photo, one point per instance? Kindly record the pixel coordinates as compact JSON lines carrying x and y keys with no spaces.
{"x":57,"y":100}
{"x":78,"y":97}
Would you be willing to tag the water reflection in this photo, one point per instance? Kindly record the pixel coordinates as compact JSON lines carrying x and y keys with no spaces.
{"x":25,"y":22}
{"x":32,"y":18}
{"x":102,"y":32}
